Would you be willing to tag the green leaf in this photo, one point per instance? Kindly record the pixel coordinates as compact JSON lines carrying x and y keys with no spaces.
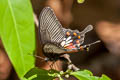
{"x":43,"y":77}
{"x":87,"y":72}
{"x":87,"y":75}
{"x":36,"y":71}
{"x":18,"y":33}
{"x":41,"y":74}
{"x":104,"y":77}
{"x":80,"y":1}
{"x":81,"y":75}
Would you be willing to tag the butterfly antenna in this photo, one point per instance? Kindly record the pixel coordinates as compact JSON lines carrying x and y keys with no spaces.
{"x":87,"y":29}
{"x":37,"y":56}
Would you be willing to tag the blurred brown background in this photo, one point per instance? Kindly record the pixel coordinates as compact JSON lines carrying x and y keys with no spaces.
{"x":103,"y":58}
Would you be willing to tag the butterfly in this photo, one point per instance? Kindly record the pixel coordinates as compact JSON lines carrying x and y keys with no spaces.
{"x":57,"y":41}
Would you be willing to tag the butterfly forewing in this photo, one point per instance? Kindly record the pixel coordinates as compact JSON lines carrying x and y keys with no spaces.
{"x":50,"y":28}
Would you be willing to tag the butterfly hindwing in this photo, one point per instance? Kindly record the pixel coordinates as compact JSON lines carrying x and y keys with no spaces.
{"x":74,"y":39}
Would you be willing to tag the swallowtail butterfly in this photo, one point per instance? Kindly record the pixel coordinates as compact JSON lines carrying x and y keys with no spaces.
{"x":56,"y":40}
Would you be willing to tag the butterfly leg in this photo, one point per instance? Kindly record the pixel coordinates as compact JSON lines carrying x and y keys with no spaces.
{"x":52,"y":65}
{"x":69,"y":62}
{"x":72,"y":66}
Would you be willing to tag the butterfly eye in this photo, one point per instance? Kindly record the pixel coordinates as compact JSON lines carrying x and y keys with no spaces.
{"x":75,"y":34}
{"x":68,"y":33}
{"x":79,"y":37}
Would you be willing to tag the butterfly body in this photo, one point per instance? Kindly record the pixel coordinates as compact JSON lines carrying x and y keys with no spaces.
{"x":53,"y":52}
